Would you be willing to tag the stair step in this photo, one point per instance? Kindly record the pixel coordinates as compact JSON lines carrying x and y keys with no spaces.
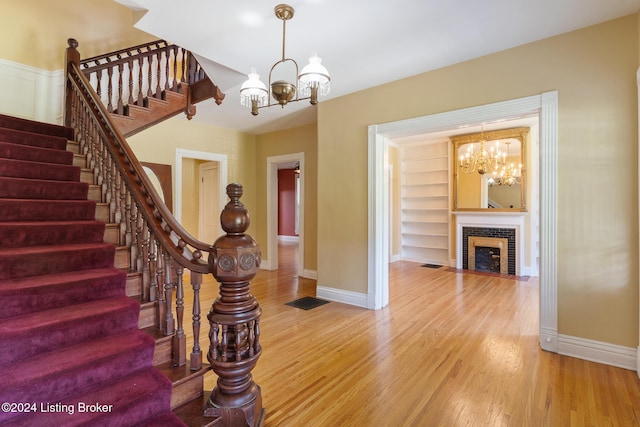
{"x":86,"y":175}
{"x":41,"y":233}
{"x":34,"y":126}
{"x":121,"y":259}
{"x":39,"y":260}
{"x":187,"y":384}
{"x":147,"y":317}
{"x":73,"y":147}
{"x":9,"y":150}
{"x":37,"y":293}
{"x":134,"y":284}
{"x":37,"y":170}
{"x":14,"y":188}
{"x":33,"y":139}
{"x":54,"y":210}
{"x":111,"y":233}
{"x":137,"y":400}
{"x":94,"y":193}
{"x":34,"y":333}
{"x":79,"y":160}
{"x":101,"y":211}
{"x":164,"y":349}
{"x":71,"y":370}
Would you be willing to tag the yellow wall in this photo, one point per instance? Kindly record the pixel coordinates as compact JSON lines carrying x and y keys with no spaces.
{"x":594,"y":72}
{"x":158,"y":144}
{"x":44,"y":26}
{"x":300,"y":139}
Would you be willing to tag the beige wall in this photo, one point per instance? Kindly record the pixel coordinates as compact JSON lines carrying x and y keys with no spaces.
{"x":43,"y":27}
{"x":300,"y":139}
{"x":594,"y":72}
{"x":158,"y":144}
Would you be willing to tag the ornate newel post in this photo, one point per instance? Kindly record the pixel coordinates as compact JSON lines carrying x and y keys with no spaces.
{"x":234,"y":319}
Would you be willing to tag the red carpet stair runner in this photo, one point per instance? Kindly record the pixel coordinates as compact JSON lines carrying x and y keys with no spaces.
{"x":71,"y":353}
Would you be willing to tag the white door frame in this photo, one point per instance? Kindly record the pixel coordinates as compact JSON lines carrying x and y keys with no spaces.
{"x":546,"y":106}
{"x":272,"y":211}
{"x":198,"y":155}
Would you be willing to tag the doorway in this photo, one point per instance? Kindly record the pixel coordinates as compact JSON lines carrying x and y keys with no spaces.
{"x":546,"y":106}
{"x":273,"y":163}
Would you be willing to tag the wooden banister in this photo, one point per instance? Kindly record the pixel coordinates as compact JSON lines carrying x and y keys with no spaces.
{"x":160,"y":249}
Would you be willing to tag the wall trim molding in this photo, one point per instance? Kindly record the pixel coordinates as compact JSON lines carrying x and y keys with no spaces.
{"x":599,"y":352}
{"x":339,"y":295}
{"x":32,"y":93}
{"x":309,"y":274}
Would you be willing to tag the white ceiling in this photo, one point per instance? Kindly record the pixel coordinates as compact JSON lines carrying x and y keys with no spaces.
{"x":363,"y":43}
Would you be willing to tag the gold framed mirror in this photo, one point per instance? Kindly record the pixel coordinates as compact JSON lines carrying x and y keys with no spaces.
{"x":489,"y":170}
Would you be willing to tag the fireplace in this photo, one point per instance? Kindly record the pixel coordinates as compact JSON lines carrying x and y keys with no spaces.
{"x":488,"y":254}
{"x":503,"y":239}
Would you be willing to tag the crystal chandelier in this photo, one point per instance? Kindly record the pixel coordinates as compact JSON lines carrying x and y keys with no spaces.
{"x":509,"y":174}
{"x":314,"y":79}
{"x":482,"y":161}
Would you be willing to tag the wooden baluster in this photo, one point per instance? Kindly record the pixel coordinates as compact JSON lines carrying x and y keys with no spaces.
{"x":99,"y":76}
{"x":145,"y":262}
{"x":140,"y":99}
{"x":128,"y":237}
{"x":158,"y":93}
{"x":161,"y":315}
{"x":196,"y":352}
{"x":168,"y":290}
{"x":123,"y":214}
{"x":183,"y":66}
{"x":120,"y":105}
{"x":137,"y":256}
{"x":179,"y":339}
{"x":174,"y":83}
{"x":110,"y":89}
{"x":149,"y":77}
{"x":130,"y":66}
{"x":167,"y":69}
{"x":153,"y":269}
{"x":234,"y":261}
{"x":116,"y":211}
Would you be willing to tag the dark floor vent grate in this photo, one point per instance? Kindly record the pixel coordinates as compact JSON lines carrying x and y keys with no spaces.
{"x":307,"y":303}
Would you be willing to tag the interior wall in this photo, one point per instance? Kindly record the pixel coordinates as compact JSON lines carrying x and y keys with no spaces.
{"x":594,"y":72}
{"x":295,"y":140}
{"x":158,"y":144}
{"x":35,"y":32}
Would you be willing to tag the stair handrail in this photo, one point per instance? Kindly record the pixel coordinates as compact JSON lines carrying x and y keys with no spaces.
{"x":233,"y":259}
{"x":174,"y":237}
{"x":130,"y":76}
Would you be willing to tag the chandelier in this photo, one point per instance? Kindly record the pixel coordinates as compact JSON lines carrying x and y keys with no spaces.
{"x":314,"y":79}
{"x":509,"y":174}
{"x":482,"y":161}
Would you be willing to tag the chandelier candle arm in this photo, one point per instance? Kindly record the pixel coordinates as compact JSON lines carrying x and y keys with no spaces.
{"x":313,"y":81}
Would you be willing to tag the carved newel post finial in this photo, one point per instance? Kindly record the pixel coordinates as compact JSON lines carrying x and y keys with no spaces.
{"x":234,"y":319}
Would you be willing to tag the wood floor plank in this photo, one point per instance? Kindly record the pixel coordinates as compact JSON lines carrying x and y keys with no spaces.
{"x":451,"y":349}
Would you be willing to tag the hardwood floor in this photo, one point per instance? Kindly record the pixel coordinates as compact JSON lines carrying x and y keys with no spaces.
{"x":451,"y":349}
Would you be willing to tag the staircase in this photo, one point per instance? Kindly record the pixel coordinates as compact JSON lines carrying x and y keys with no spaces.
{"x":143,"y":85}
{"x":72,"y":349}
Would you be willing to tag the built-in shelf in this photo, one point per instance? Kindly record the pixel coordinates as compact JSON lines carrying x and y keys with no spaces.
{"x":425,"y":203}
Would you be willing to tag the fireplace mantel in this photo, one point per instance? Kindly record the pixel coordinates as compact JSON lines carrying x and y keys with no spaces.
{"x":489,"y":219}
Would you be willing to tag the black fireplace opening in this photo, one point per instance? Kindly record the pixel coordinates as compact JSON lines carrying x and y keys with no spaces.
{"x":487,"y":259}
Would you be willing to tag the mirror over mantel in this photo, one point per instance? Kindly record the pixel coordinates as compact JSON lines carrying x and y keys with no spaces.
{"x":498,"y":182}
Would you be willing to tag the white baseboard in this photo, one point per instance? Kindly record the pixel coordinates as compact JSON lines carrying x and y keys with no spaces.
{"x":339,"y":295}
{"x":600,"y":352}
{"x":289,"y":238}
{"x":309,"y":274}
{"x":395,"y":258}
{"x":265,"y":264}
